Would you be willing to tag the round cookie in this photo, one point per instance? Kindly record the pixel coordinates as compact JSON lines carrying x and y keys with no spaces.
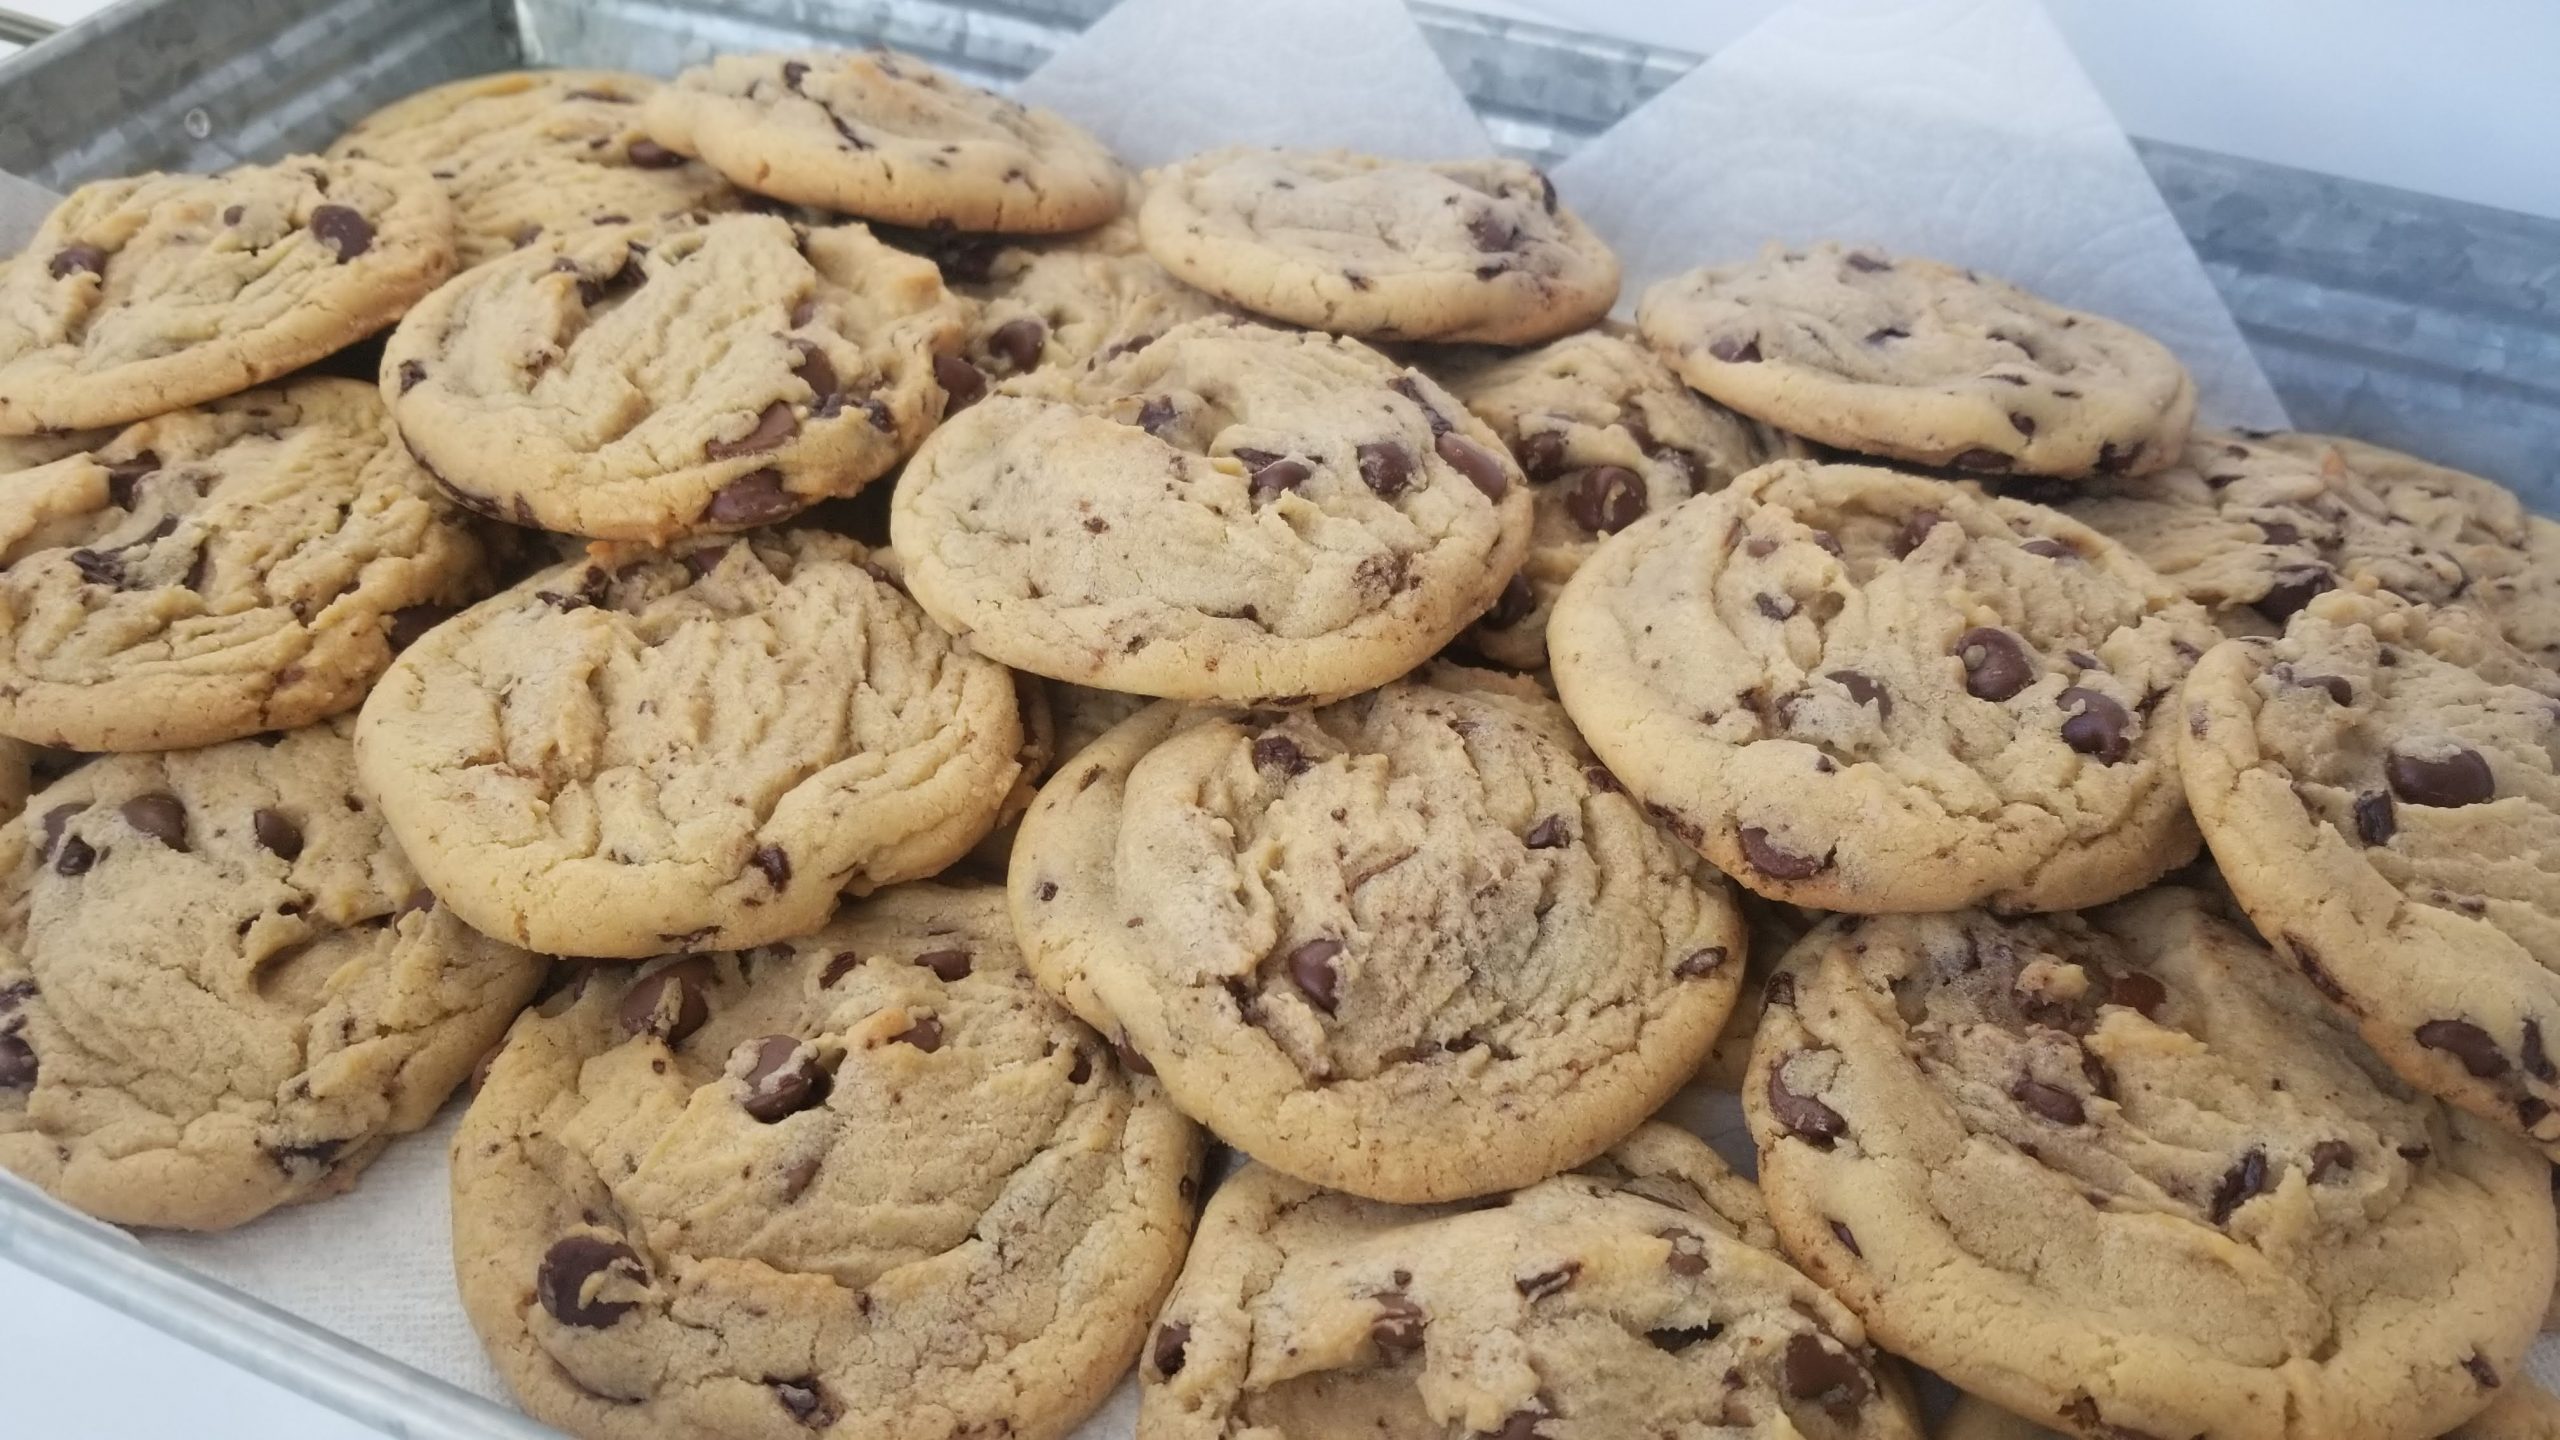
{"x":141,"y":296}
{"x":1606,"y":434}
{"x":639,"y":383}
{"x":1922,"y":361}
{"x":1229,"y":514}
{"x":650,"y":750}
{"x":1066,"y":302}
{"x":2378,"y":787}
{"x":1387,"y":249}
{"x":1856,"y":689}
{"x":221,"y":988}
{"x":2522,"y":1411}
{"x":1410,"y":946}
{"x":870,"y":1182}
{"x":888,"y":137}
{"x":250,"y":564}
{"x":534,"y":152}
{"x":1636,"y":1297}
{"x":2124,"y":1170}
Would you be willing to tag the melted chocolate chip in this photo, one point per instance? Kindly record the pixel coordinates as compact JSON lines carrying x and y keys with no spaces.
{"x":1735,"y":350}
{"x":1541,"y":454}
{"x":1700,"y":962}
{"x":1804,"y":1116}
{"x":1915,"y":530}
{"x":2097,"y":728}
{"x":567,"y":1268}
{"x":1516,"y":603}
{"x":757,"y":498}
{"x":1980,"y":458}
{"x":1550,"y":833}
{"x":18,"y":1067}
{"x":924,"y":1034}
{"x":1387,"y":467}
{"x":1996,"y":663}
{"x":1399,"y":1326}
{"x":2247,"y":1177}
{"x":1818,"y":1370}
{"x":1607,"y":499}
{"x":2481,"y":1371}
{"x":2458,"y":777}
{"x":1547,"y":1282}
{"x":1171,"y":1339}
{"x":1020,"y":341}
{"x":1279,"y":752}
{"x":775,"y":862}
{"x":948,"y":966}
{"x":2138,"y":992}
{"x":1864,"y":690}
{"x":2467,"y":1043}
{"x":783,"y":1078}
{"x":75,"y":858}
{"x":668,"y":1003}
{"x":1475,"y":462}
{"x":960,"y":380}
{"x":276,"y":833}
{"x":2292,"y":590}
{"x":1157,"y":413}
{"x":1274,"y":475}
{"x":808,"y":1402}
{"x":73,"y":260}
{"x":346,"y":233}
{"x":650,"y":155}
{"x":160,"y":816}
{"x":2050,"y":1101}
{"x":2331,"y":1157}
{"x":124,"y":477}
{"x":1311,"y":966}
{"x":774,"y":424}
{"x":1776,"y":861}
{"x":2376,"y":818}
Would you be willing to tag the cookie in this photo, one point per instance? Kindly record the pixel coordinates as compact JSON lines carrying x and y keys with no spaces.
{"x":1063,"y":303}
{"x":26,"y":452}
{"x":221,"y":988}
{"x":1856,"y":689}
{"x":639,"y":383}
{"x":534,"y":152}
{"x":250,"y":564}
{"x":1387,"y":249}
{"x":1606,"y":434}
{"x":2123,"y":1171}
{"x":140,"y":296}
{"x":2378,"y":787}
{"x":16,"y":769}
{"x":1229,"y":514}
{"x":888,"y":137}
{"x":1619,"y":1300}
{"x":2522,"y":1411}
{"x":870,"y":1182}
{"x":1922,"y":361}
{"x":687,"y":749}
{"x":1410,"y":946}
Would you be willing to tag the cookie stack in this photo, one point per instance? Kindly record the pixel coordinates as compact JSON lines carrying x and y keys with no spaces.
{"x":1314,"y":683}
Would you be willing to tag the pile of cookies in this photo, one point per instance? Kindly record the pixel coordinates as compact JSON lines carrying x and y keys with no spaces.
{"x":1314,"y":684}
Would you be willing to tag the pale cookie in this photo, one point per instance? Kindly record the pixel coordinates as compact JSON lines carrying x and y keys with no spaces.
{"x":1636,"y":1297}
{"x":1413,"y":946}
{"x":1388,"y":249}
{"x":221,"y":988}
{"x":2124,"y":1171}
{"x":535,"y":152}
{"x":1066,"y":302}
{"x":2378,"y":787}
{"x":1855,"y":689}
{"x":870,"y":1183}
{"x":251,"y":564}
{"x":640,"y":383}
{"x":2522,"y":1411}
{"x":26,"y":452}
{"x":648,"y":751}
{"x":1922,"y":361}
{"x":140,"y":296}
{"x":886,"y":136}
{"x":1230,"y":514}
{"x":1606,"y":434}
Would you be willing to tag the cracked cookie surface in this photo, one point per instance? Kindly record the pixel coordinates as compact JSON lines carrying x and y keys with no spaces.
{"x":1856,"y":689}
{"x":648,"y":750}
{"x":1411,"y":945}
{"x":1386,"y":249}
{"x":888,"y":137}
{"x":1229,"y":514}
{"x":2125,"y":1170}
{"x":644,"y":383}
{"x":869,"y":1182}
{"x":251,"y":564}
{"x":221,"y":988}
{"x":2378,"y":785}
{"x":140,"y":296}
{"x":1922,"y":361}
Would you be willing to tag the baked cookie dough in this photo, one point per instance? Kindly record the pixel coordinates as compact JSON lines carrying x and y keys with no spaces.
{"x":870,"y":1183}
{"x":1386,"y":249}
{"x":250,"y":564}
{"x":141,"y":296}
{"x":2378,"y":787}
{"x":26,"y":452}
{"x":1063,"y":303}
{"x":1230,"y":514}
{"x":1922,"y":361}
{"x":1856,"y":689}
{"x":1638,"y":1296}
{"x":221,"y":989}
{"x":633,"y":382}
{"x":2522,"y":1411}
{"x":648,"y":751}
{"x":1413,"y":946}
{"x":2124,"y":1171}
{"x":887,"y":137}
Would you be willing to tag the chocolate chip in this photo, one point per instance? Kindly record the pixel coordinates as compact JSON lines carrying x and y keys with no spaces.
{"x":775,"y":862}
{"x":2480,"y":1370}
{"x":1776,"y":861}
{"x":2050,"y":549}
{"x":668,"y":1003}
{"x":2458,"y":777}
{"x":1279,"y":475}
{"x":1979,"y":458}
{"x":17,"y":1062}
{"x":569,"y":1265}
{"x":2376,"y":818}
{"x":1399,"y":1326}
{"x":757,"y":498}
{"x":1735,"y":351}
{"x":960,"y":380}
{"x":160,"y":816}
{"x":1547,"y":1282}
{"x":1996,"y":663}
{"x":73,"y":260}
{"x":1541,"y":454}
{"x":1130,"y":1059}
{"x":2331,"y":1157}
{"x":54,"y":820}
{"x":1688,"y":1255}
{"x":2536,"y":1061}
{"x":411,"y":623}
{"x":819,"y":374}
{"x":793,"y":72}
{"x":2335,"y":686}
{"x":1311,"y":966}
{"x":1700,"y":962}
{"x":1279,"y":752}
{"x":2467,"y":1043}
{"x":411,"y":372}
{"x":1607,"y":499}
{"x":1519,"y":1425}
{"x":124,"y":477}
{"x":1476,"y":463}
{"x":2024,"y":424}
{"x":2050,"y":1101}
{"x":76,"y":857}
{"x":99,"y":567}
{"x":344,"y":231}
{"x":1492,"y":233}
{"x":1882,"y":333}
{"x":2097,"y":728}
{"x":783,"y":1078}
{"x":1082,"y":1070}
{"x":1915,"y":530}
{"x":1020,"y":341}
{"x":279,"y":836}
{"x":650,"y":155}
{"x":2292,"y":590}
{"x":1516,"y":603}
{"x":775,"y":424}
{"x":1171,"y":1338}
{"x":1804,"y":1116}
{"x":808,"y":1402}
{"x":1818,"y":1370}
{"x":2247,"y":1177}
{"x":1859,"y":260}
{"x":948,"y":966}
{"x":2137,"y":992}
{"x":1157,"y":413}
{"x":924,"y":1034}
{"x":1550,"y":833}
{"x":1387,"y":466}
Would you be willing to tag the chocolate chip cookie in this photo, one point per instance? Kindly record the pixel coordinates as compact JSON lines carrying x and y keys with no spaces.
{"x":534,"y":152}
{"x":1415,"y":946}
{"x":1922,"y":361}
{"x":1387,"y":249}
{"x":655,"y":750}
{"x":141,"y":296}
{"x":1636,"y":1296}
{"x":1062,"y":303}
{"x":221,"y":988}
{"x":870,"y":1183}
{"x":1606,"y":434}
{"x":1229,"y":513}
{"x":642,"y":383}
{"x":2378,"y":787}
{"x":888,"y":137}
{"x":1856,"y":689}
{"x":26,"y":452}
{"x":2125,"y":1172}
{"x":2522,"y":1410}
{"x":250,"y":564}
